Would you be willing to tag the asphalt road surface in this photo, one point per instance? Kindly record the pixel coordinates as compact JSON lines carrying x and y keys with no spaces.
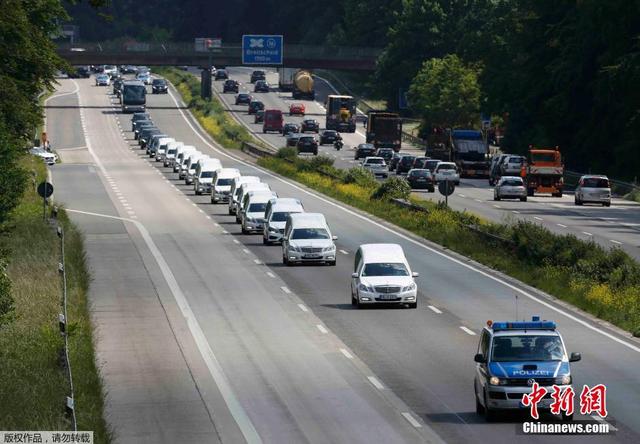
{"x":616,"y":226}
{"x":299,"y":363}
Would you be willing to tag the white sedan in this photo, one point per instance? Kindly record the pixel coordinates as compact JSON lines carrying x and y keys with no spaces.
{"x":103,"y":80}
{"x":46,"y":156}
{"x":447,"y":171}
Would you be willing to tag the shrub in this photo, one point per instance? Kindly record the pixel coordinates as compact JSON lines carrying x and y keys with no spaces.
{"x":287,"y":152}
{"x":360,"y":176}
{"x":393,"y":188}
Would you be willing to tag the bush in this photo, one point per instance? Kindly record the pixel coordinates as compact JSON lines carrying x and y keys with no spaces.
{"x":393,"y":188}
{"x":287,"y":152}
{"x":6,"y":298}
{"x":360,"y":176}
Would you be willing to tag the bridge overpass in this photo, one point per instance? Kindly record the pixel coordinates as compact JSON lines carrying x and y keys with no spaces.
{"x":176,"y":54}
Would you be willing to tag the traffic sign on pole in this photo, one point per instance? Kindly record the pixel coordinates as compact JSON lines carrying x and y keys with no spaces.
{"x":262,"y":49}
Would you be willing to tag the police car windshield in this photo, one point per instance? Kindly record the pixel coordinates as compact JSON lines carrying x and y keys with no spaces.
{"x":382,"y":269}
{"x":527,"y":348}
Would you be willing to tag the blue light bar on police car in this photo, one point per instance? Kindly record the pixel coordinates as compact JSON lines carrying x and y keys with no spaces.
{"x":524,"y":325}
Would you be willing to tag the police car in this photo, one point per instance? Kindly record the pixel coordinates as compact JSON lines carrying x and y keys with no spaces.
{"x":512,"y":356}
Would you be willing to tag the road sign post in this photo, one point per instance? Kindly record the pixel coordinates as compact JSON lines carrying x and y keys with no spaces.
{"x":446,"y":188}
{"x":262,"y":49}
{"x":45,"y":190}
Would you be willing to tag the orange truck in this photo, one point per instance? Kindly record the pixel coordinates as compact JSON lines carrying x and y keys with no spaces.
{"x":544,"y":172}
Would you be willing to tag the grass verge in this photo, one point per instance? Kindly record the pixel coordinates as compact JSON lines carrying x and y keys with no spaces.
{"x":211,"y":114}
{"x":605,"y":283}
{"x":33,"y":384}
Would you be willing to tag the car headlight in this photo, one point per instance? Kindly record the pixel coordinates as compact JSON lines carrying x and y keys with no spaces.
{"x":330,"y":248}
{"x":410,"y":287}
{"x":273,"y":230}
{"x":294,"y":248}
{"x":366,"y":288}
{"x":563,"y":380}
{"x":494,"y":380}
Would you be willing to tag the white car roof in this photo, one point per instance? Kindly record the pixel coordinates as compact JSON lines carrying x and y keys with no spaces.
{"x":246,"y":179}
{"x":227,"y":173}
{"x":511,"y":177}
{"x":373,"y":157}
{"x":209,"y":163}
{"x":288,"y":207}
{"x":593,"y":176}
{"x":174,"y":144}
{"x":445,"y":163}
{"x":260,"y":196}
{"x":251,"y":186}
{"x":194,"y":156}
{"x":378,"y":253}
{"x":308,"y":220}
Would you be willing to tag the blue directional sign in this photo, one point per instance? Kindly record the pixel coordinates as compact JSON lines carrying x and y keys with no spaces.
{"x":262,"y":49}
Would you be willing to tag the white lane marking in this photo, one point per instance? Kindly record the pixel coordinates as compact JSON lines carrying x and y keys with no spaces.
{"x":497,"y":206}
{"x":375,"y":382}
{"x":286,"y":290}
{"x":303,"y":308}
{"x":435,"y":309}
{"x":323,"y":330}
{"x":515,"y":211}
{"x":344,"y":252}
{"x":193,"y":204}
{"x":615,"y":241}
{"x":215,"y":224}
{"x":200,"y":210}
{"x":208,"y":217}
{"x":346,"y":353}
{"x":225,"y":232}
{"x":215,"y":369}
{"x":257,"y":261}
{"x":478,"y":200}
{"x":537,"y":218}
{"x":467,"y":331}
{"x":236,"y":241}
{"x":244,"y":250}
{"x":404,"y":237}
{"x":271,"y":275}
{"x":587,"y":233}
{"x":561,"y":225}
{"x":409,"y":417}
{"x":461,"y":195}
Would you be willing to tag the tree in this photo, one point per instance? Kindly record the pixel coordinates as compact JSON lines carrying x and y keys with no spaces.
{"x":446,"y":93}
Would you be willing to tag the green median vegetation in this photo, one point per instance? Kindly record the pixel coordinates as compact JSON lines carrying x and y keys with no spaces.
{"x":33,"y":381}
{"x":605,"y":283}
{"x":212,"y":115}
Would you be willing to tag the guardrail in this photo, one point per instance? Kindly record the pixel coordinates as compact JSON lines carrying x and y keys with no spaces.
{"x":256,"y":150}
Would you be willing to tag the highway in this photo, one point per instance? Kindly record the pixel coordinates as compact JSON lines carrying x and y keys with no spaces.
{"x":617,"y":226}
{"x":293,"y":361}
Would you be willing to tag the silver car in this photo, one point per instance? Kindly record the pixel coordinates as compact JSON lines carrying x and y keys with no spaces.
{"x":510,"y":187}
{"x":593,"y":189}
{"x":376,"y":165}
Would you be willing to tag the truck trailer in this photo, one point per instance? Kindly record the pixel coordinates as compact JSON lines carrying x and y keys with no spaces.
{"x":384,"y":129}
{"x":341,"y":113}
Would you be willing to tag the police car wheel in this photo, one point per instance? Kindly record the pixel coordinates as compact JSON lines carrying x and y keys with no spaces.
{"x":489,"y":414}
{"x":479,"y":407}
{"x":354,"y":302}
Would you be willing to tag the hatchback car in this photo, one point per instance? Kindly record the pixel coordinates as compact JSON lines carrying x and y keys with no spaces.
{"x":259,"y":116}
{"x":510,"y":187}
{"x":292,"y":139}
{"x":431,"y":164}
{"x":376,"y":165}
{"x":329,"y":136}
{"x":243,"y":99}
{"x":257,"y":75}
{"x":593,"y":189}
{"x":307,"y":144}
{"x":144,"y":78}
{"x":230,"y":86}
{"x":393,"y":162}
{"x":221,"y":74}
{"x":255,"y":106}
{"x":103,"y":80}
{"x":261,"y":86}
{"x":405,"y":164}
{"x":364,"y":150}
{"x":447,"y":171}
{"x":310,"y":125}
{"x":385,"y":153}
{"x":296,"y":108}
{"x":420,"y":162}
{"x":159,"y":86}
{"x":421,"y":179}
{"x":290,"y":128}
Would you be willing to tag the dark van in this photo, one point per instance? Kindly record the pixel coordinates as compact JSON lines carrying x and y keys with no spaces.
{"x":273,"y":121}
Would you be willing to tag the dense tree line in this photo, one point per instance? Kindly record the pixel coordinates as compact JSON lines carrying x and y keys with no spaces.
{"x":559,"y":72}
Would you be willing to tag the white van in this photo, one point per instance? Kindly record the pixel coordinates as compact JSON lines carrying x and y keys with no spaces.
{"x":275,"y":217}
{"x":235,"y":190}
{"x":184,"y":164}
{"x":382,"y":275}
{"x":245,"y":189}
{"x":170,"y":155}
{"x":180,"y":153}
{"x":307,"y":238}
{"x":161,"y":151}
{"x":192,"y":163}
{"x":240,"y":193}
{"x":152,"y":149}
{"x":203,"y":177}
{"x":222,"y":181}
{"x":255,"y":204}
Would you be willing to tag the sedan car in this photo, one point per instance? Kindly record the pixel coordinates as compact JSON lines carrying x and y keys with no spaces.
{"x":221,"y":74}
{"x":259,"y":116}
{"x":376,"y":165}
{"x":290,"y":128}
{"x":103,"y":80}
{"x":447,"y":171}
{"x":385,"y":153}
{"x":144,"y":78}
{"x":593,"y":189}
{"x":327,"y":137}
{"x":364,"y":150}
{"x":46,"y":156}
{"x":230,"y":86}
{"x":510,"y":187}
{"x":405,"y":164}
{"x":243,"y":99}
{"x":311,"y":125}
{"x":255,"y":106}
{"x":159,"y":86}
{"x":292,"y":139}
{"x":420,"y":162}
{"x":261,"y":86}
{"x":296,"y":108}
{"x":421,"y":179}
{"x":257,"y":75}
{"x":431,"y":164}
{"x":307,"y":144}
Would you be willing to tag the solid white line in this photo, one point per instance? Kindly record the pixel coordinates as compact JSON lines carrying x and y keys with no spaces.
{"x":286,"y":290}
{"x":271,"y":275}
{"x":461,"y":195}
{"x":561,"y":225}
{"x":303,"y":308}
{"x":497,"y":206}
{"x":587,"y":233}
{"x":409,"y":417}
{"x":257,"y":261}
{"x":515,"y":211}
{"x":467,"y":331}
{"x":344,"y":252}
{"x":537,"y":218}
{"x":323,"y":330}
{"x":346,"y":353}
{"x":435,"y":309}
{"x":374,"y":381}
{"x":406,"y":238}
{"x":615,"y":241}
